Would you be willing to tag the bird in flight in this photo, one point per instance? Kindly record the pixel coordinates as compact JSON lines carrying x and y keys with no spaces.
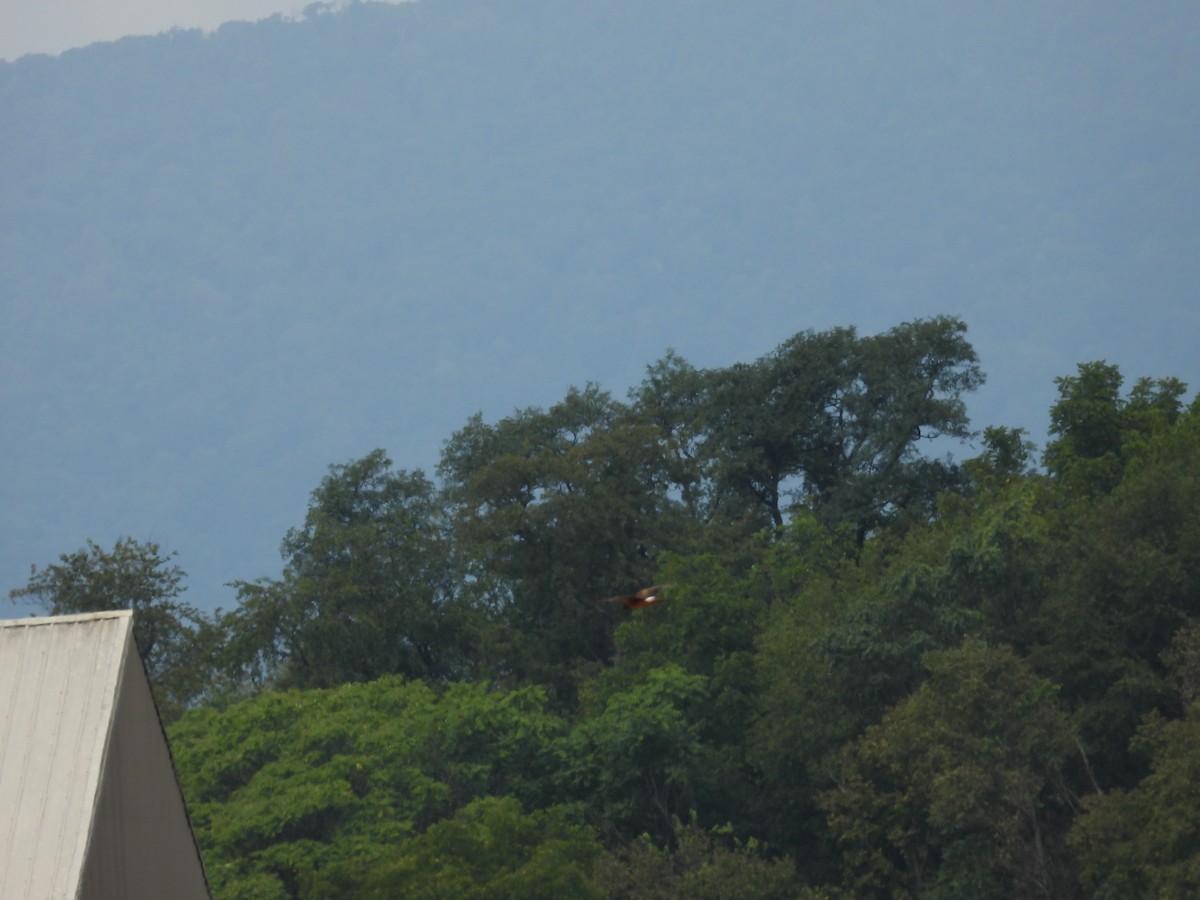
{"x":645,"y":597}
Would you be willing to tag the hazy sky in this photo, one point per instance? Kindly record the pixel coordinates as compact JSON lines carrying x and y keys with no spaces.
{"x":52,"y":26}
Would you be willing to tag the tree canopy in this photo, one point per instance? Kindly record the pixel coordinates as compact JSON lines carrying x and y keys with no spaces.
{"x":172,"y":637}
{"x":870,"y":672}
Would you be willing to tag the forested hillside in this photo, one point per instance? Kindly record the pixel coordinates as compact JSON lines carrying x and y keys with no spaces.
{"x":874,"y":671}
{"x":229,"y":259}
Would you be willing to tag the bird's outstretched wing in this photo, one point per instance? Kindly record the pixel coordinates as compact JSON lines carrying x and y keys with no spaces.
{"x":645,"y":597}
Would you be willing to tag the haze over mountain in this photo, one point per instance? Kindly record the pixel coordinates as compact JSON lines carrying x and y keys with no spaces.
{"x":230,"y":260}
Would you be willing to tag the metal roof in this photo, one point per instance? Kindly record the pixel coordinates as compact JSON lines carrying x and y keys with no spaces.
{"x":72,"y":689}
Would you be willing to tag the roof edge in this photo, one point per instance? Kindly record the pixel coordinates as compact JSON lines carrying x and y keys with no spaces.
{"x":67,"y":620}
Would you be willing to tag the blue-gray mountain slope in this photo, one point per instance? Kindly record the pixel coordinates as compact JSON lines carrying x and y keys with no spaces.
{"x":228,"y":261}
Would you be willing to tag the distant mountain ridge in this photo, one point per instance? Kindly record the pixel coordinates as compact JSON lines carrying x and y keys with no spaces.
{"x":227,"y":261}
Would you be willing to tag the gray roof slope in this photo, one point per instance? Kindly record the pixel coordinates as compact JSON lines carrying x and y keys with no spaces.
{"x":89,"y":804}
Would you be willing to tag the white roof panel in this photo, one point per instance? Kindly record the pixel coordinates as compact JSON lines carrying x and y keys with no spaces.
{"x":59,"y":679}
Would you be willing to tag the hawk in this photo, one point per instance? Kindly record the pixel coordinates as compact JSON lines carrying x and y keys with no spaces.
{"x":645,"y":597}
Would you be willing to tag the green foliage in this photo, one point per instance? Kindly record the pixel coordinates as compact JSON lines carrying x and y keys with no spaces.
{"x":553,"y":509}
{"x":1134,"y":581}
{"x":810,"y":701}
{"x":774,"y":418}
{"x":696,"y":865}
{"x":284,"y":784}
{"x":637,"y":764}
{"x":957,"y":790}
{"x":1145,"y":842}
{"x":982,"y":572}
{"x":843,"y":414}
{"x":1088,"y":424}
{"x":709,"y":616}
{"x":1182,"y":660}
{"x":136,"y":576}
{"x":489,"y":849}
{"x":1000,"y":561}
{"x":1006,"y":455}
{"x":368,"y":589}
{"x":1098,"y":431}
{"x":849,"y":640}
{"x":909,"y":678}
{"x":674,"y":400}
{"x":556,"y":507}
